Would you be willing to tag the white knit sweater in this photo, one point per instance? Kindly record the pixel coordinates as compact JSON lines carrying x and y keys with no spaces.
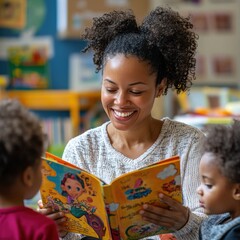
{"x":93,"y":152}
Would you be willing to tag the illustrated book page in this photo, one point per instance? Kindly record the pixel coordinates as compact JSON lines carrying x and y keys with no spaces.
{"x":126,"y":195}
{"x":103,"y":211}
{"x":78,"y":194}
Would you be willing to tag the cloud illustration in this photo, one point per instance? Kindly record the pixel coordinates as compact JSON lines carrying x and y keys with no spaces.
{"x":167,"y":172}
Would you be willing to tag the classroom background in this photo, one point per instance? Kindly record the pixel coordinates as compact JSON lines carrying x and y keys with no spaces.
{"x":41,"y":63}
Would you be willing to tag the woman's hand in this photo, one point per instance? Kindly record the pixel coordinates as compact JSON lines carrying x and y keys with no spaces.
{"x":174,"y":216}
{"x":57,"y":217}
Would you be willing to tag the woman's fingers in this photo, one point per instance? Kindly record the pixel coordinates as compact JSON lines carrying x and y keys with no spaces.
{"x":173,"y":215}
{"x":45,"y":211}
{"x":156,"y":215}
{"x":40,"y":204}
{"x":57,"y":217}
{"x":171,"y":203}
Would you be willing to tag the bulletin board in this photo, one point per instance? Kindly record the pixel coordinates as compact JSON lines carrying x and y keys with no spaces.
{"x":216,"y":23}
{"x":80,"y":13}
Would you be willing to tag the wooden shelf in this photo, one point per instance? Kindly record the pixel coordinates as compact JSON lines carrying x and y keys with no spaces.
{"x":58,"y":100}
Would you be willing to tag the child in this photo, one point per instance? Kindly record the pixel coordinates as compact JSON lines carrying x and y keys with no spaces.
{"x":21,"y":147}
{"x":219,"y":191}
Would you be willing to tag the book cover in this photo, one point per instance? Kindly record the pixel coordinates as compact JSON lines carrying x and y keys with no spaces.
{"x":103,"y":211}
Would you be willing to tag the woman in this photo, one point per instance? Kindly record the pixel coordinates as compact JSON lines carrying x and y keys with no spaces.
{"x":140,"y":63}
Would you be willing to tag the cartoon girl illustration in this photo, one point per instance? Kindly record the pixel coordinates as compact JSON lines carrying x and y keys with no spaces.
{"x":72,"y":187}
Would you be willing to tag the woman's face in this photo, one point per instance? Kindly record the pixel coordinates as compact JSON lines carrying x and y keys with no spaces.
{"x":128,"y":91}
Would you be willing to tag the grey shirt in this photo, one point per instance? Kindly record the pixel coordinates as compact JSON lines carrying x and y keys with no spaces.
{"x":218,"y":227}
{"x":93,"y":152}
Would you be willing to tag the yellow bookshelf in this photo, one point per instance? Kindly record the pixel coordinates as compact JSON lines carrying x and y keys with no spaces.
{"x":59,"y":100}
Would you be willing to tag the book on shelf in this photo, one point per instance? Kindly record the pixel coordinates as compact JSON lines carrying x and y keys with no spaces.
{"x":108,"y":211}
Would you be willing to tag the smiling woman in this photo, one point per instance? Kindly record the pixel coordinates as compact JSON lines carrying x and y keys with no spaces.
{"x":139,"y":64}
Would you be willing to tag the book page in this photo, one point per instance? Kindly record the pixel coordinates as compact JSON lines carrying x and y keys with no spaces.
{"x":79,"y":195}
{"x":130,"y":191}
{"x":55,"y":158}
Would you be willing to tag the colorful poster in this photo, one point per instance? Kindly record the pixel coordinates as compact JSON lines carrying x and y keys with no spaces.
{"x":28,"y":67}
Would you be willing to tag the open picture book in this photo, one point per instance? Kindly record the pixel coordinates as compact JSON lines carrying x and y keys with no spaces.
{"x":108,"y":211}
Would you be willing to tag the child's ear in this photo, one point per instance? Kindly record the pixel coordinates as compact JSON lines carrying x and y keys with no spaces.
{"x":28,"y":176}
{"x":236,"y":192}
{"x":161,"y":87}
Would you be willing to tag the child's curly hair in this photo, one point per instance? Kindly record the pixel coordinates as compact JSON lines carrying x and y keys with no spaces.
{"x":21,"y":141}
{"x":224,"y":142}
{"x":164,"y":39}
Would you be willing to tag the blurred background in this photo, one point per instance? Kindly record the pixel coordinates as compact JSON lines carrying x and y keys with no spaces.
{"x":41,"y":64}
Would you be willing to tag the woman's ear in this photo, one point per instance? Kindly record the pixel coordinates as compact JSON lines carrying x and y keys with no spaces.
{"x":28,"y":176}
{"x":161,"y":87}
{"x":236,"y":192}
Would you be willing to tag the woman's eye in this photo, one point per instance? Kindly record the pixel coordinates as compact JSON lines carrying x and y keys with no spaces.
{"x":111,"y":90}
{"x":209,"y":186}
{"x":136,"y":92}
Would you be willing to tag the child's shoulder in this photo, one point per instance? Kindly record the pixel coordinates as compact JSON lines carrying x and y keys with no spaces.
{"x":33,"y":214}
{"x":37,"y":222}
{"x":221,"y":227}
{"x":234,"y":232}
{"x":25,"y":215}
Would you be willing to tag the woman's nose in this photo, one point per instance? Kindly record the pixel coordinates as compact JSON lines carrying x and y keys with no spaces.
{"x":121,"y":98}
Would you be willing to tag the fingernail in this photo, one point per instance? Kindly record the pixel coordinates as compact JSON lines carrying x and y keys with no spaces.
{"x":145,"y":206}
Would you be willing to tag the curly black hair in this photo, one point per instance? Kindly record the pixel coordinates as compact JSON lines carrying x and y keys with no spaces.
{"x":224,"y":142}
{"x":164,"y":39}
{"x":21,"y":141}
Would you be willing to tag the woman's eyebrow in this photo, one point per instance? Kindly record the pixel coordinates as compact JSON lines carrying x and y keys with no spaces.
{"x":137,"y":83}
{"x":108,"y":80}
{"x":131,"y":84}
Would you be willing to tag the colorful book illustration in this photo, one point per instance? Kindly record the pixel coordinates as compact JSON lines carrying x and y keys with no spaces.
{"x":103,"y":211}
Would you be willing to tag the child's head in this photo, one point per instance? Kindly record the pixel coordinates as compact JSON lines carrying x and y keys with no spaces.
{"x":220,"y":170}
{"x":21,"y":147}
{"x":164,"y":40}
